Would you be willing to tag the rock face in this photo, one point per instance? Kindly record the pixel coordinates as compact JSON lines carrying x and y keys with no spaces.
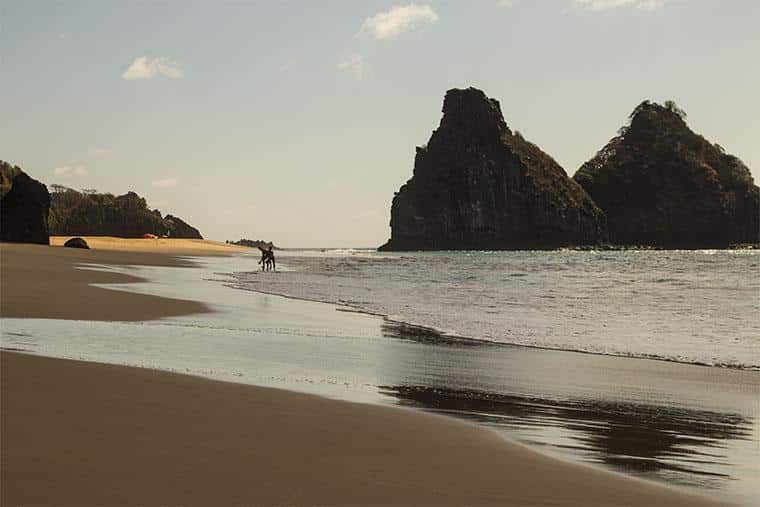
{"x":478,"y":185}
{"x":76,"y":243}
{"x":24,"y":207}
{"x":662,"y":185}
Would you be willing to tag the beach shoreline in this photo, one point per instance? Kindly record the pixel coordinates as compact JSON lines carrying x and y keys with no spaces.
{"x":152,"y":437}
{"x":49,"y":282}
{"x":68,"y":421}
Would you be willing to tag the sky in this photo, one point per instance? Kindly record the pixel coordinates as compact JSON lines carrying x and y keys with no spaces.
{"x":297,"y":121}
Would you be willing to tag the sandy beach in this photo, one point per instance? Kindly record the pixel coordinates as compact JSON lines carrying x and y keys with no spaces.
{"x":86,"y":433}
{"x":167,"y":246}
{"x":45,"y":282}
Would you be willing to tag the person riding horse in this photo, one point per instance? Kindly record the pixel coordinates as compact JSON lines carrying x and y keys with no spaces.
{"x":267,"y":259}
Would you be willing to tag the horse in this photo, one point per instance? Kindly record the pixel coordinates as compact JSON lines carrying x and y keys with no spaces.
{"x":267,"y":260}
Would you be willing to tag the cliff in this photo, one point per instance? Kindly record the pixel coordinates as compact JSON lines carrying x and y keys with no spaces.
{"x":75,"y":213}
{"x":478,"y":185}
{"x":24,"y":205}
{"x":662,"y":185}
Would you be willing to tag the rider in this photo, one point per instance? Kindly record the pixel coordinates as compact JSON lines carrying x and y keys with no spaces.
{"x":267,"y":258}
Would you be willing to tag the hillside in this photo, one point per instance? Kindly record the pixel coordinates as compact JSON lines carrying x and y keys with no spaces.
{"x":662,"y":185}
{"x":74,"y":213}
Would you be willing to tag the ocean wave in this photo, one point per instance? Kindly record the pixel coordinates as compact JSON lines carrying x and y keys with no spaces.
{"x":548,"y":301}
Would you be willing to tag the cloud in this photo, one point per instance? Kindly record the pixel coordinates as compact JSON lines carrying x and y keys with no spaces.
{"x":387,"y":25}
{"x":98,"y":150}
{"x":165,"y":183}
{"x":69,"y":171}
{"x":600,"y":5}
{"x":506,"y":3}
{"x":355,"y":63}
{"x":146,"y":68}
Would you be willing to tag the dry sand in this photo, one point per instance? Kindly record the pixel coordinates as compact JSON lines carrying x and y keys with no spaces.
{"x":158,"y":245}
{"x":83,"y":433}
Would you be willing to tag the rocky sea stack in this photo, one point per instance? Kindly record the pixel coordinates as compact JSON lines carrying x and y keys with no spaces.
{"x":24,"y":205}
{"x":662,"y":185}
{"x":478,"y":185}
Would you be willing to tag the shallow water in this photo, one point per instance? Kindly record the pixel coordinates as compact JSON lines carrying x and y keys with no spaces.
{"x":691,"y":306}
{"x":684,"y":424}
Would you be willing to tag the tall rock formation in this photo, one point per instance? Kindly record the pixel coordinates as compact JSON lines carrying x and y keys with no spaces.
{"x":24,"y":205}
{"x":662,"y":185}
{"x":478,"y":185}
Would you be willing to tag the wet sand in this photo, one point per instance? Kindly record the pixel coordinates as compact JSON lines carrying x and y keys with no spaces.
{"x":45,"y":282}
{"x":81,"y":433}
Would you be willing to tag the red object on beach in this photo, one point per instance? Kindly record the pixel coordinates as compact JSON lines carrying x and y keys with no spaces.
{"x":148,"y":235}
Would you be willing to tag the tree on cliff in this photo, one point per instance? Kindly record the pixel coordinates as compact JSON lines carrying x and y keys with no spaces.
{"x":94,"y":214}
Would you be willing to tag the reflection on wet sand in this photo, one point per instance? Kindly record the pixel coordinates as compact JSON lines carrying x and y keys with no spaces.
{"x":420,"y":334}
{"x":682,"y":424}
{"x":672,"y":444}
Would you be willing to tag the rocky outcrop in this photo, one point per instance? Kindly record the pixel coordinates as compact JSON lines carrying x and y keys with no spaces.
{"x":662,"y":185}
{"x":478,"y":185}
{"x":178,"y":228}
{"x":77,"y":243}
{"x":24,"y":207}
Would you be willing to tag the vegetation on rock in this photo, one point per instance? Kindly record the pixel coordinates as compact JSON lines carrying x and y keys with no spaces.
{"x":253,"y":243}
{"x":89,"y":213}
{"x":662,"y":185}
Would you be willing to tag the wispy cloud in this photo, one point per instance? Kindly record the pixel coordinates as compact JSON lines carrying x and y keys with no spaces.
{"x":145,"y":67}
{"x":506,"y":3}
{"x":354,"y":63}
{"x":98,"y":150}
{"x":600,"y":5}
{"x":165,"y":183}
{"x":386,"y":25}
{"x":67,"y":171}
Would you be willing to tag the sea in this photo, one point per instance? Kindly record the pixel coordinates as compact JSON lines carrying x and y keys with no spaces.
{"x":691,"y":306}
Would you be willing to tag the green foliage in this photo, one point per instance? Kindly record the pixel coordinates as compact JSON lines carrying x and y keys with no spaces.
{"x":673,"y":108}
{"x":253,"y":243}
{"x":7,"y":173}
{"x":90,"y":213}
{"x":662,"y":184}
